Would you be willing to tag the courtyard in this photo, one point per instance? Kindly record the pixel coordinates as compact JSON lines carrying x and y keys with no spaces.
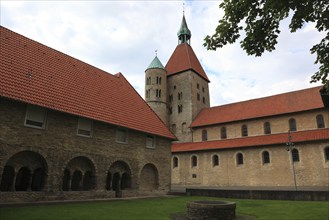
{"x":168,"y":207}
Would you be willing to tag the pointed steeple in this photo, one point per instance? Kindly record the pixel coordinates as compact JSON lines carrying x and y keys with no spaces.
{"x":184,"y":34}
{"x":155,"y":64}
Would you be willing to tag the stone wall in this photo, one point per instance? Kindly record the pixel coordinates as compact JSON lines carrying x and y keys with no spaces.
{"x":58,"y":149}
{"x":311,"y":170}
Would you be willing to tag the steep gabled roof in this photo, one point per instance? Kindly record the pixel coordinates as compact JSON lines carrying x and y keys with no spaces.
{"x":254,"y":141}
{"x":296,"y":101}
{"x":34,"y":73}
{"x":184,"y":59}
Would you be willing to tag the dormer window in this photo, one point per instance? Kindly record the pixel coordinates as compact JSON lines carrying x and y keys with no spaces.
{"x":35,"y":117}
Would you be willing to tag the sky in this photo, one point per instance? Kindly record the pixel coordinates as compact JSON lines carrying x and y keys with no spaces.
{"x":122,"y":36}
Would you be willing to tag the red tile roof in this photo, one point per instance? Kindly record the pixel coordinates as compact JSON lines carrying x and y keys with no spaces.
{"x":34,"y":73}
{"x":182,"y":59}
{"x":254,"y":141}
{"x":291,"y":102}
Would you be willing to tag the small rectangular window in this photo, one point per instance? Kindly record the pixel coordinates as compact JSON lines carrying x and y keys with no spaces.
{"x":35,"y":117}
{"x":84,"y":127}
{"x":150,"y":141}
{"x":121,"y":135}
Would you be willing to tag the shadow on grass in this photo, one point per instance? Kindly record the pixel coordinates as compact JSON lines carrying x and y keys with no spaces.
{"x":183,"y":216}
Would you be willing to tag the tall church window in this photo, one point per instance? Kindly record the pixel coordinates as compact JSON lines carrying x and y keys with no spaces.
{"x":197,"y":86}
{"x":148,"y":93}
{"x":198,"y":96}
{"x":267,"y":128}
{"x":171,"y":98}
{"x":223,"y":134}
{"x":158,"y":80}
{"x":194,"y":161}
{"x":158,"y":93}
{"x":266,"y":157}
{"x":173,"y":128}
{"x":292,"y":124}
{"x":239,"y":159}
{"x":215,"y":160}
{"x":320,"y":121}
{"x":326,"y":153}
{"x":175,"y":162}
{"x":170,"y":110}
{"x":180,"y":95}
{"x":204,"y":135}
{"x":180,"y":108}
{"x":35,"y":117}
{"x":295,"y":155}
{"x":148,"y":80}
{"x":244,"y":130}
{"x":183,"y":127}
{"x":203,"y":100}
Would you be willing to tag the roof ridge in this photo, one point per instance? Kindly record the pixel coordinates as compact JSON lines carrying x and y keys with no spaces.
{"x":265,"y":97}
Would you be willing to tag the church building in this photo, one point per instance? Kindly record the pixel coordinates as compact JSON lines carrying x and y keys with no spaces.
{"x":280,"y":141}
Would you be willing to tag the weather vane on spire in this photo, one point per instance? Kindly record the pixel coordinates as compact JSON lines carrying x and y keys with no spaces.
{"x":156,"y":53}
{"x":183,"y":7}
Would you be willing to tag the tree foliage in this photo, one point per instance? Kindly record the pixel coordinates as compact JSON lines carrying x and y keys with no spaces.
{"x":262,"y":19}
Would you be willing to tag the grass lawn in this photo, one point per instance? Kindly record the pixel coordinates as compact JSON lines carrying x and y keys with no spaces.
{"x":163,"y":208}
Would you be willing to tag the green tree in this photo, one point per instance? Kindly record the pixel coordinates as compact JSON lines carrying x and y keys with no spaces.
{"x":262,"y":19}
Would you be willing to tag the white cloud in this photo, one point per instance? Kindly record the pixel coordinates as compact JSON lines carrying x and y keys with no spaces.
{"x":121,"y":36}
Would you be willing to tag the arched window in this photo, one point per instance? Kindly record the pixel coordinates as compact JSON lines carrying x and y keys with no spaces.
{"x":223,"y":134}
{"x":292,"y":124}
{"x":7,"y":179}
{"x":194,"y":161}
{"x":159,"y":92}
{"x":204,"y":135}
{"x":267,"y":128}
{"x":320,"y":121}
{"x":215,"y":160}
{"x":244,"y":131}
{"x":239,"y":158}
{"x":175,"y":162}
{"x":173,"y":128}
{"x":183,"y":127}
{"x":295,"y":155}
{"x":266,"y":157}
{"x":326,"y":153}
{"x":76,"y":181}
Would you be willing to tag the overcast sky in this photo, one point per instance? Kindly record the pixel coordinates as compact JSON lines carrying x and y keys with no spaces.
{"x":122,"y":36}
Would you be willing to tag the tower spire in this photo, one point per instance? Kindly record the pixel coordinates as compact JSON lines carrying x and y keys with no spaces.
{"x":184,"y":34}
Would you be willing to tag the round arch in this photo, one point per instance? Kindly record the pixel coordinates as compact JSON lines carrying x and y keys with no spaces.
{"x":118,"y":176}
{"x":149,"y":178}
{"x":79,"y":175}
{"x":24,"y":171}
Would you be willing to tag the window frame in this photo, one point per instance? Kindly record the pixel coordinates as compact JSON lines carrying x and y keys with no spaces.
{"x":194,"y":161}
{"x":204,"y":135}
{"x":244,"y":130}
{"x":295,"y":155}
{"x":239,"y":159}
{"x":266,"y":157}
{"x":125,"y":131}
{"x":326,"y":154}
{"x":91,"y":127}
{"x":147,"y":138}
{"x":175,"y":162}
{"x":267,"y":128}
{"x":215,"y":160}
{"x":34,"y":109}
{"x":292,"y":124}
{"x":223,"y":133}
{"x":320,"y":121}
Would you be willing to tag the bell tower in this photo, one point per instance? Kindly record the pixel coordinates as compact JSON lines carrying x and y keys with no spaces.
{"x":156,"y":88}
{"x":187,"y":86}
